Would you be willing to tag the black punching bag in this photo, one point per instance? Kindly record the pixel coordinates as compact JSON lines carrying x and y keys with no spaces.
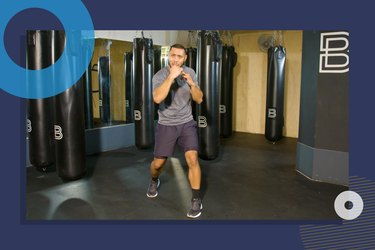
{"x":40,"y":111}
{"x":143,"y":102}
{"x":275,"y":93}
{"x":69,"y":119}
{"x":89,"y":117}
{"x":157,"y":60}
{"x":128,"y":87}
{"x":191,"y":62}
{"x":104,"y":80}
{"x":157,"y":67}
{"x":229,"y":59}
{"x":209,"y":76}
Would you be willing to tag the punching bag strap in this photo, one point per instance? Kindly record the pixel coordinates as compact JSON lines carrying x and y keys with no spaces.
{"x":234,"y":62}
{"x":270,"y":59}
{"x":146,"y":45}
{"x":31,"y":39}
{"x":149,"y":52}
{"x":217,"y":45}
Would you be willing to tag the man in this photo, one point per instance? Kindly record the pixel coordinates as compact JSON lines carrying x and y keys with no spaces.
{"x":174,"y":87}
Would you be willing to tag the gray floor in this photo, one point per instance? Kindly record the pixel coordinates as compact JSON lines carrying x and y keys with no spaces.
{"x":251,"y":179}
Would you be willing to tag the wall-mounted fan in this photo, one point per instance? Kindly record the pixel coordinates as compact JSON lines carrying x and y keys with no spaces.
{"x":265,"y":41}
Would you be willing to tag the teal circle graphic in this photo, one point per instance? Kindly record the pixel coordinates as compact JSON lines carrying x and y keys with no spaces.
{"x":68,"y":69}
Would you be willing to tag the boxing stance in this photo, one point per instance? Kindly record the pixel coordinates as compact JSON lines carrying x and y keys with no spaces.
{"x":174,"y":88}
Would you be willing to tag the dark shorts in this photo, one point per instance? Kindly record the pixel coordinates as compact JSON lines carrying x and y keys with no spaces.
{"x":166,"y":137}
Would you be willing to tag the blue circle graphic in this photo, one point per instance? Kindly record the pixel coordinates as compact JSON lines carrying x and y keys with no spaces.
{"x":68,"y":69}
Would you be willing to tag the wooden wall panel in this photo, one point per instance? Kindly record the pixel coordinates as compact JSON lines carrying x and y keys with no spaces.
{"x":250,"y":82}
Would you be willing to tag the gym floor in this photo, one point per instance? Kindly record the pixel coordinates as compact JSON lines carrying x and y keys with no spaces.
{"x":252,"y":179}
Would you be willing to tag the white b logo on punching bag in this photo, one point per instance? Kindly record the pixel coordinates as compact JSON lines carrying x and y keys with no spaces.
{"x":58,"y":132}
{"x":29,"y":128}
{"x":202,"y":121}
{"x":137,"y":115}
{"x":271,"y":113}
{"x":223,"y":109}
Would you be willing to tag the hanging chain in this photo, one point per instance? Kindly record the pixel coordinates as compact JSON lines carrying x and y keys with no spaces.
{"x":229,"y":38}
{"x":280,"y":38}
{"x":190,"y":39}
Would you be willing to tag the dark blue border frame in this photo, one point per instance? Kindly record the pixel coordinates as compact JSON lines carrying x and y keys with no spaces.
{"x":217,"y":235}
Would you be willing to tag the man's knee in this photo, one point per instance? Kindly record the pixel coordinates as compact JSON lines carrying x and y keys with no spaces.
{"x":191,"y":157}
{"x":158,"y":163}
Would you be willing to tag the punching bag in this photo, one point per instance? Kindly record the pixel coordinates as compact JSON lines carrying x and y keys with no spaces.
{"x":143,"y":102}
{"x":89,"y":117}
{"x":157,"y":67}
{"x":191,"y":62}
{"x":40,"y":111}
{"x":128,"y":87}
{"x":229,"y":59}
{"x":275,"y":93}
{"x":157,"y":60}
{"x":104,"y":81}
{"x":209,"y":75}
{"x":69,"y":122}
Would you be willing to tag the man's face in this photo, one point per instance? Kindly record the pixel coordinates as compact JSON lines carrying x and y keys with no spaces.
{"x":177,"y":57}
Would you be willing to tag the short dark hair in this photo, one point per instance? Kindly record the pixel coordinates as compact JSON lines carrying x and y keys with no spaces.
{"x":177,"y":46}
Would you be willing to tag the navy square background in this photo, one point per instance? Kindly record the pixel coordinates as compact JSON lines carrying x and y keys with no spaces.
{"x":173,"y":15}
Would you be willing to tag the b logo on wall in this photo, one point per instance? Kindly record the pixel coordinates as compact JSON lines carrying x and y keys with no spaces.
{"x":334,"y":52}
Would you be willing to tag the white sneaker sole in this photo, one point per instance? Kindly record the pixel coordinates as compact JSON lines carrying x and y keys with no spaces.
{"x":153,"y":196}
{"x":197,"y":215}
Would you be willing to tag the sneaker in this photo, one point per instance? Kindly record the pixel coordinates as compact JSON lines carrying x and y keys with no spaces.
{"x":196,"y":208}
{"x":153,"y":189}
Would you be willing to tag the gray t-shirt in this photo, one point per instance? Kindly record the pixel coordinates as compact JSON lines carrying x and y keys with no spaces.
{"x":175,"y":109}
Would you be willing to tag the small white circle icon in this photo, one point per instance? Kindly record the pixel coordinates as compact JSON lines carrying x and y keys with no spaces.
{"x":348,"y":205}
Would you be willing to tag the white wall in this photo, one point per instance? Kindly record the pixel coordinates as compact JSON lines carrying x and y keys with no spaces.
{"x":159,"y":37}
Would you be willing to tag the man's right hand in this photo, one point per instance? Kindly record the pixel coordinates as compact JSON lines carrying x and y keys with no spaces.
{"x":174,"y":71}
